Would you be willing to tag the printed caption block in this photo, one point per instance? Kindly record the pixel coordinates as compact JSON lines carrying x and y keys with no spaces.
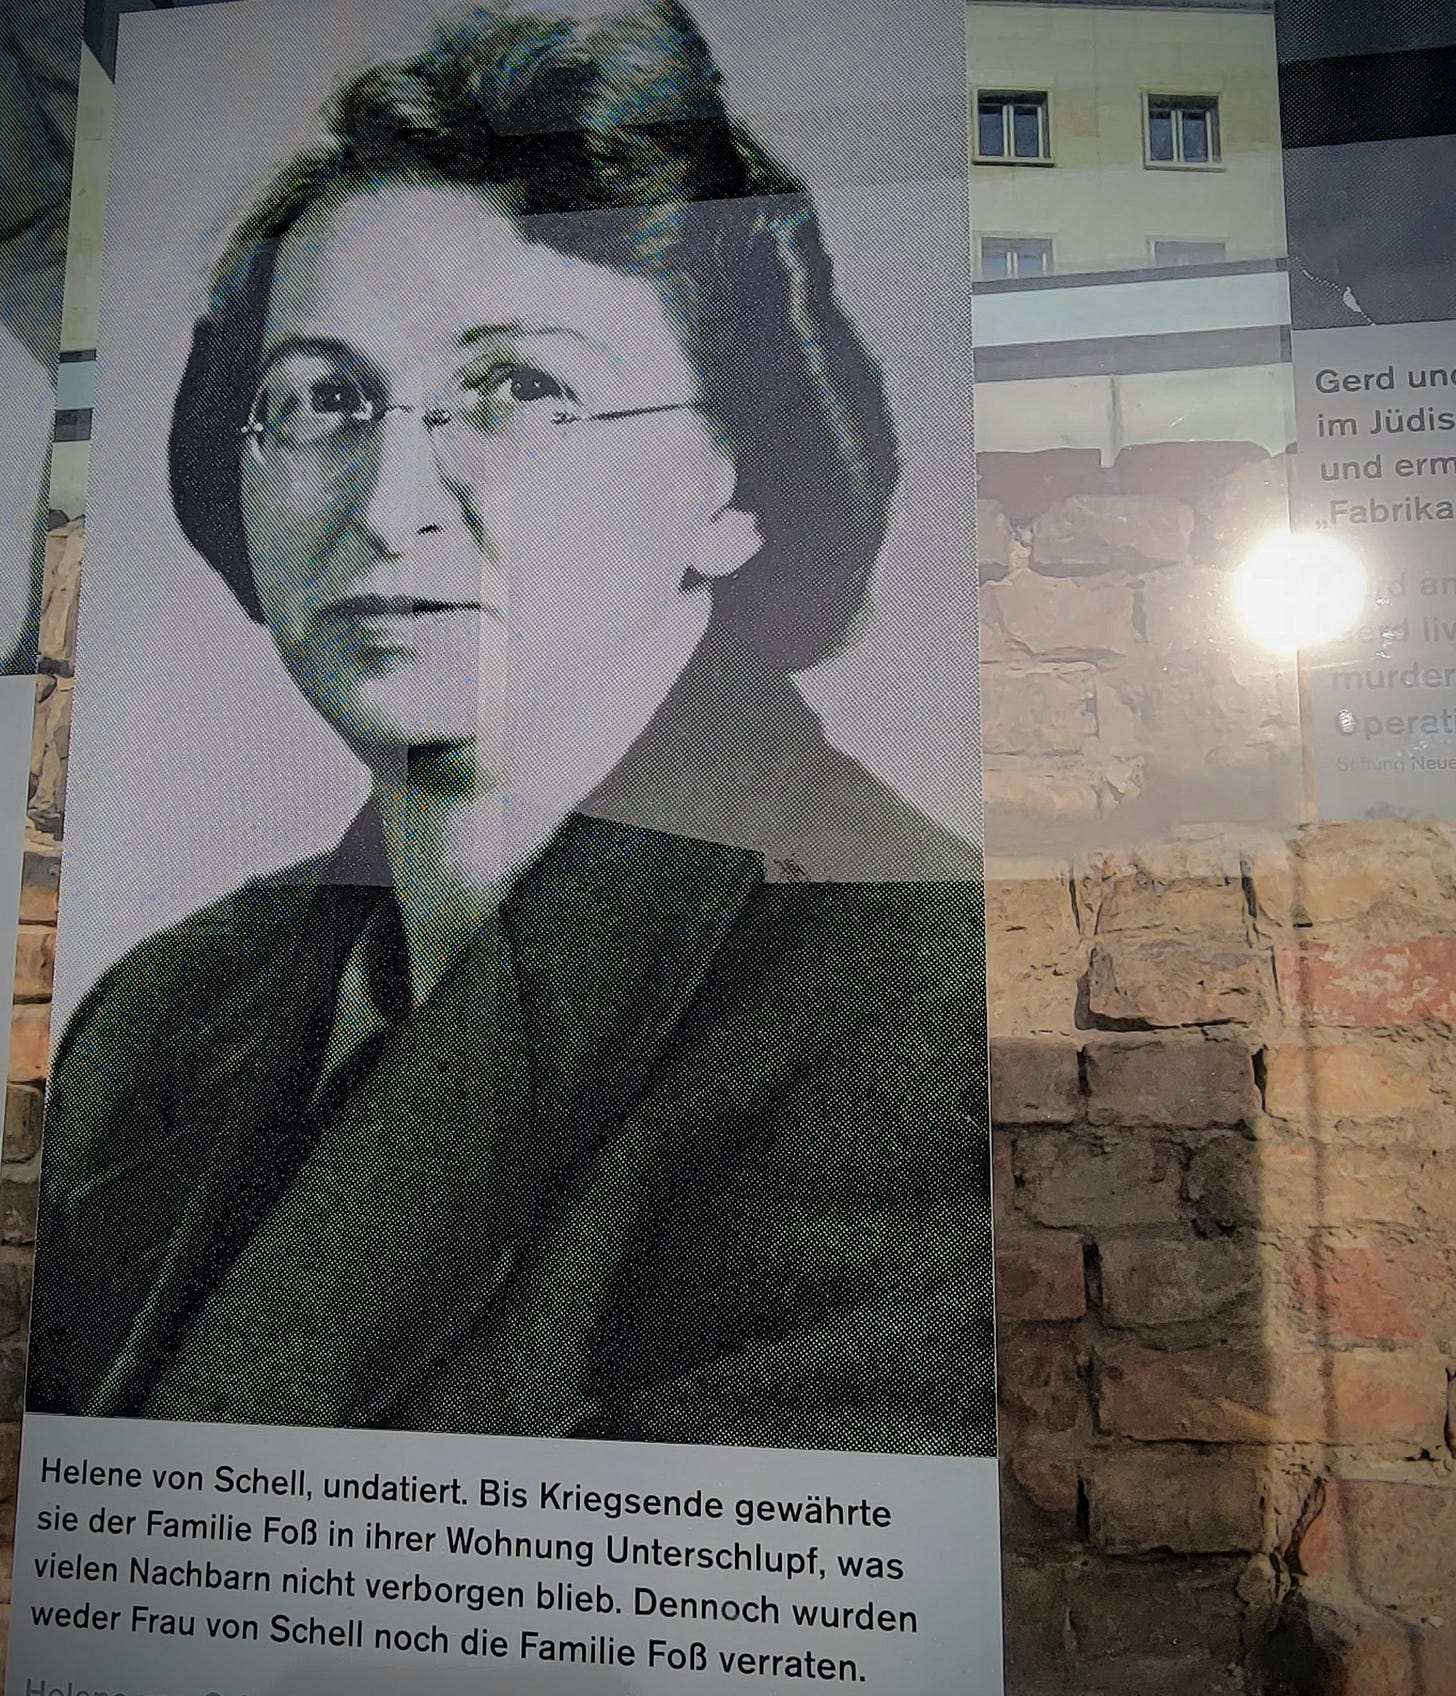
{"x":190,"y":1560}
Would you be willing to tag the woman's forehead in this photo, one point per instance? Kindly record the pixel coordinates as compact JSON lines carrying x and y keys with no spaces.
{"x":406,"y":271}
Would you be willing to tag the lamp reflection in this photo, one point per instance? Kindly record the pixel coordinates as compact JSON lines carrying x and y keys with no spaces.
{"x":1299,"y":589}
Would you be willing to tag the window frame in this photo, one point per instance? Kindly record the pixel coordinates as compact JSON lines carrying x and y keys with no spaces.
{"x":1009,"y":98}
{"x":1154,"y":242}
{"x":1047,"y":242}
{"x":1210,"y":104}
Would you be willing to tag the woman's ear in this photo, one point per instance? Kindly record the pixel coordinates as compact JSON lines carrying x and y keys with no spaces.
{"x":726,"y":543}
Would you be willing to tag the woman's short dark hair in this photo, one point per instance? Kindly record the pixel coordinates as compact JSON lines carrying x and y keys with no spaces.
{"x":601,"y":131}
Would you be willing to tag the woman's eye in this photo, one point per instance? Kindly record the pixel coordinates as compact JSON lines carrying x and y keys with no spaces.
{"x":527,"y":384}
{"x":336,"y":396}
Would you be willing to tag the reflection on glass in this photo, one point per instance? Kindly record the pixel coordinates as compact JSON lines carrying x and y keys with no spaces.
{"x":1299,"y":589}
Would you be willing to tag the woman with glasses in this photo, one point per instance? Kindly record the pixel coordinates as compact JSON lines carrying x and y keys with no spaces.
{"x":621,"y":1073}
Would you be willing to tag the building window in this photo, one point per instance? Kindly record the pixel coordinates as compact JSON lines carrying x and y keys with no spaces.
{"x":1012,"y":126}
{"x":1189,"y":252}
{"x":1015,"y":256}
{"x":1182,"y":130}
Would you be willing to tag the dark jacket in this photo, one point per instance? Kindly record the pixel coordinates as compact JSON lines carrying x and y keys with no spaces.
{"x":685,"y":1147}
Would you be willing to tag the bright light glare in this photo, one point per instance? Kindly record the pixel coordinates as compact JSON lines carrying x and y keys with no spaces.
{"x":1298,"y":589}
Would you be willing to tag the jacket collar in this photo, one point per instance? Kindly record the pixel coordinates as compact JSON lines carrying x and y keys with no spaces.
{"x":402,"y":1225}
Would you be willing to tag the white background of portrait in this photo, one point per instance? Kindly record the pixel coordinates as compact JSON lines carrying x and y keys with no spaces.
{"x":194,"y":764}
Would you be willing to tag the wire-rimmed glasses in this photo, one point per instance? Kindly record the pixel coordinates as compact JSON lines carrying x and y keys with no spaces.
{"x":312,"y":419}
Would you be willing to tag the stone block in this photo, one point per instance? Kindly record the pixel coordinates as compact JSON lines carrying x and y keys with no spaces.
{"x":63,"y":551}
{"x":1169,"y":1082}
{"x":14,"y":1297}
{"x":1034,"y":1082}
{"x":1185,"y":1500}
{"x":997,"y":549}
{"x":40,"y":880}
{"x":1085,"y":534}
{"x":1390,"y":1544}
{"x":1061,"y":618}
{"x":35,"y":960}
{"x":1318,"y":1085}
{"x":1024,"y":484}
{"x":1037,"y":1377}
{"x":1175,"y":1279}
{"x":1387,"y":984}
{"x":50,"y":746}
{"x":1070,"y":1182}
{"x":1389,"y":869}
{"x":18,"y":1201}
{"x":1154,"y":1628}
{"x":1240,"y":510}
{"x":1040,"y":1276}
{"x":1393,"y":1290}
{"x":1034,"y":712}
{"x":1162,"y":984}
{"x":1241,"y":1394}
{"x":1030,"y":919}
{"x":1042,"y":1000}
{"x":1211,"y":907}
{"x":1048,"y":1478}
{"x":29,"y":1044}
{"x":1038,"y":795}
{"x":12,"y":1380}
{"x":1183,"y":471}
{"x":24,"y":1115}
{"x":1329,"y":1647}
{"x":1188,"y":609}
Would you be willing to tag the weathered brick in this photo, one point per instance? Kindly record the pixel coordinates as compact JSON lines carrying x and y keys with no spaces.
{"x":1037,"y":1376}
{"x":12,"y":1380}
{"x":1335,"y":1646}
{"x":1061,"y":618}
{"x":1240,"y":510}
{"x":29,"y":1043}
{"x":1390,"y":1289}
{"x":1206,"y":907}
{"x":1185,"y":1500}
{"x":40,"y":879}
{"x":24,"y":1115}
{"x":1185,"y":471}
{"x":35,"y":958}
{"x":1048,"y":1476}
{"x":50,"y":746}
{"x":1162,"y":984}
{"x":1040,"y":1276}
{"x":1169,"y":1082}
{"x":996,"y":544}
{"x":1387,"y":871}
{"x":1391,"y":1544}
{"x":1066,"y":1181}
{"x":1034,"y":1082}
{"x":1025,"y":484}
{"x":1248,"y":1395}
{"x":1312,"y":1085}
{"x":17,"y":1210}
{"x":1150,"y":1628}
{"x":1172,"y":1280}
{"x":1055,"y":793}
{"x":1381,"y":984}
{"x":14,"y":1296}
{"x":1088,"y":533}
{"x":1034,"y":712}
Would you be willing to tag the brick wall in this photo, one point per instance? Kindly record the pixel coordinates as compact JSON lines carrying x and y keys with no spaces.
{"x":1222,"y":1094}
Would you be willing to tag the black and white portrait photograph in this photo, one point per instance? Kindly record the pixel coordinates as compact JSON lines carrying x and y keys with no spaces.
{"x":521,"y":963}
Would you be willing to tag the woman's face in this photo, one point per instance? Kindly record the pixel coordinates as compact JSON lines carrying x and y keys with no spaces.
{"x":501,"y":592}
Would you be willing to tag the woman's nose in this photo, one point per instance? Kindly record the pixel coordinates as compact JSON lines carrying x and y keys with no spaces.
{"x":403,"y":492}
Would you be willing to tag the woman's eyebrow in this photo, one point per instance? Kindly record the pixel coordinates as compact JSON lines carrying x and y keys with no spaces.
{"x":483,"y":332}
{"x":321,"y":347}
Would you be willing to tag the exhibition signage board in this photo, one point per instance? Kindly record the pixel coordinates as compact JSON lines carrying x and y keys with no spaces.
{"x":515,"y":1194}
